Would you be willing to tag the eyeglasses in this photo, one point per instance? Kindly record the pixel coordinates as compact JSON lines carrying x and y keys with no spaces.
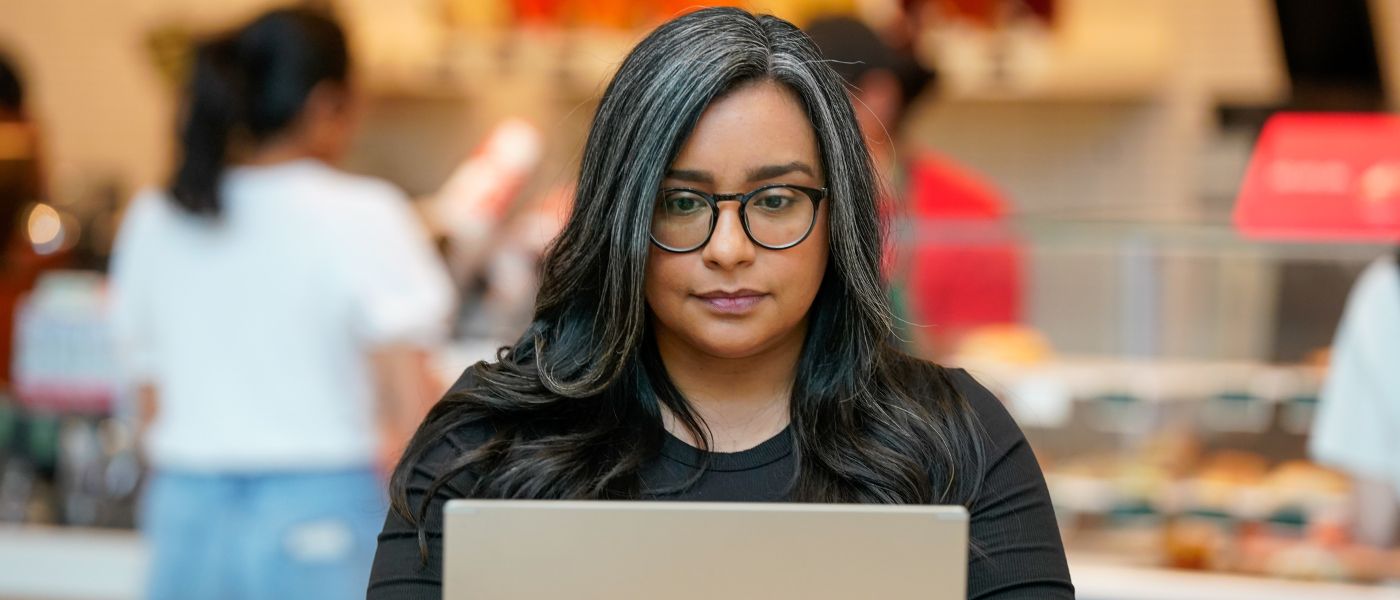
{"x":775,"y":217}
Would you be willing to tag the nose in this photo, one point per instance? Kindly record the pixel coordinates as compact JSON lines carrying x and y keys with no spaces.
{"x":729,"y":247}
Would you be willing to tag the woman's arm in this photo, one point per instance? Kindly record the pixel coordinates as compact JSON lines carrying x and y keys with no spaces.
{"x":404,"y":569}
{"x":147,"y":405}
{"x":407,"y":388}
{"x":1015,"y":542}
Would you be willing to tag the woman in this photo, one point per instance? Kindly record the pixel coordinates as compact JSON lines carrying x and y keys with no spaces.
{"x":711,"y":326}
{"x":1358,"y":414}
{"x":273,"y":312}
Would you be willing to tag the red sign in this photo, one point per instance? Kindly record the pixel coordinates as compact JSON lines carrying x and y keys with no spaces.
{"x":1323,"y":177}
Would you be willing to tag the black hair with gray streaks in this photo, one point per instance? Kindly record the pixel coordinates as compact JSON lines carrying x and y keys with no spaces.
{"x":573,"y":408}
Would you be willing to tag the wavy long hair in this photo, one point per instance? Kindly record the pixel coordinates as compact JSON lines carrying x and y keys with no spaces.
{"x":573,"y":408}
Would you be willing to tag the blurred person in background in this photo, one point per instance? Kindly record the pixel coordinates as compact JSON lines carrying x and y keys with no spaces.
{"x":968,"y":274}
{"x":1357,"y":428}
{"x":21,"y":189}
{"x":275,"y":315}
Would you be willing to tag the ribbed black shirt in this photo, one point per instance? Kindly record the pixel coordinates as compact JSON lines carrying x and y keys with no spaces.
{"x":1013,"y":523}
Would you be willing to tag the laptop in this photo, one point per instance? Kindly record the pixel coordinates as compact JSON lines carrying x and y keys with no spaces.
{"x":538,"y":550}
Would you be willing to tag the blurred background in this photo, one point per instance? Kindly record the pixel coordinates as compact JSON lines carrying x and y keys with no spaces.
{"x":1122,"y":265}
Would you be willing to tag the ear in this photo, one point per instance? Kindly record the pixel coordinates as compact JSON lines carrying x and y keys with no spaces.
{"x":327,"y":120}
{"x":327,"y":98}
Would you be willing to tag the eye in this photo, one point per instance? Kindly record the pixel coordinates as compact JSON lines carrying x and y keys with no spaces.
{"x":682,"y":203}
{"x":775,"y":200}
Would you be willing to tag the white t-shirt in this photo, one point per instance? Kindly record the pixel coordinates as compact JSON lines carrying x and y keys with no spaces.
{"x":255,"y":328}
{"x":1357,"y":428}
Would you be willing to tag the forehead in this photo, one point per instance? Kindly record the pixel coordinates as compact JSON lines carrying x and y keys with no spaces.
{"x":761,"y":123}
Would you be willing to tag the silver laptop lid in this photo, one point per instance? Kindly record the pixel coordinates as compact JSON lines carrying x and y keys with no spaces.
{"x":516,"y":550}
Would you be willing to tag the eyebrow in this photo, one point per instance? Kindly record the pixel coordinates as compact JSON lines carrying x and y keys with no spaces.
{"x":755,"y":174}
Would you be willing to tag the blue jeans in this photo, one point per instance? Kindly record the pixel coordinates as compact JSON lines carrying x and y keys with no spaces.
{"x":262,"y":536}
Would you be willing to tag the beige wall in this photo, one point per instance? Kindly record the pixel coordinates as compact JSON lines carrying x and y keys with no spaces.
{"x":104,"y":109}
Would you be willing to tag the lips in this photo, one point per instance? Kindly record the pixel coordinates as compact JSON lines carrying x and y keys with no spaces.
{"x":735,"y":302}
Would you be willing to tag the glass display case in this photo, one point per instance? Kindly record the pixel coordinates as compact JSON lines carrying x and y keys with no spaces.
{"x":1167,"y":377}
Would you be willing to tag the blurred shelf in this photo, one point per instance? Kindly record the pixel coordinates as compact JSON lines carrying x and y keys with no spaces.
{"x":1090,"y":233}
{"x":1150,"y":379}
{"x":1099,"y":577}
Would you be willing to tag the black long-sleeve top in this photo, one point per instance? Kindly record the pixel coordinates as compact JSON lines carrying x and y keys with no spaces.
{"x":1012,"y":521}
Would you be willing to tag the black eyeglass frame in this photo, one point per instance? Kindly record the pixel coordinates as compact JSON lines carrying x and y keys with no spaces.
{"x":816,"y":195}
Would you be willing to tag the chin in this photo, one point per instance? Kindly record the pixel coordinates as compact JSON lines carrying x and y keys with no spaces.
{"x":715,"y":343}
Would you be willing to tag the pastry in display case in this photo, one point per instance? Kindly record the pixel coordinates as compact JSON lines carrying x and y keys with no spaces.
{"x":1164,"y":480}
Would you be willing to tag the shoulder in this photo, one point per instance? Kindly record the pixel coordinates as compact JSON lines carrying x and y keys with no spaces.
{"x":145,"y":223}
{"x":1372,"y":316}
{"x":363,"y":197}
{"x":442,"y":462}
{"x":991,"y":412}
{"x":1384,"y":268}
{"x":933,"y":384}
{"x":370,"y":221}
{"x":929,"y":381}
{"x":380,"y":212}
{"x":1378,"y":284}
{"x":451,"y":443}
{"x":446,"y":450}
{"x":147,"y":209}
{"x":323,"y":194}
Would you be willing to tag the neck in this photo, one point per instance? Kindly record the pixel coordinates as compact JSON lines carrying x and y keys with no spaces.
{"x":278,"y":151}
{"x":743,"y":401}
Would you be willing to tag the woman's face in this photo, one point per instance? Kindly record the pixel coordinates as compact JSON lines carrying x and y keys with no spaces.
{"x":733,"y":298}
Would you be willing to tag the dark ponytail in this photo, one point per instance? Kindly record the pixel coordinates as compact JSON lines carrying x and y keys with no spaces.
{"x":216,"y":88}
{"x":246,"y":88}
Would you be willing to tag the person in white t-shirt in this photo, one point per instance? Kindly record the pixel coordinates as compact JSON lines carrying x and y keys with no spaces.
{"x":274,"y":315}
{"x":1357,"y":428}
